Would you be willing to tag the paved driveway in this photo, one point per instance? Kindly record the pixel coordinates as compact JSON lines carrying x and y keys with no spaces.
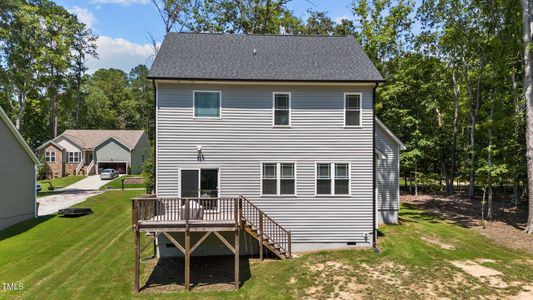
{"x":71,"y":195}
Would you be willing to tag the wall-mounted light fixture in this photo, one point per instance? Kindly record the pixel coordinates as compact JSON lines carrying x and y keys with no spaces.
{"x":199,"y":155}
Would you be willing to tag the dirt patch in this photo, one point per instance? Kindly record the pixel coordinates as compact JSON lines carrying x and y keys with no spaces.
{"x":334,"y":282}
{"x":435,"y":241}
{"x":525,"y":294}
{"x":507,"y":228}
{"x":482,"y":273}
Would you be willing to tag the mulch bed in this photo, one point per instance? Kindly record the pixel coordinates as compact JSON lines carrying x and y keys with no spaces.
{"x":506,"y":229}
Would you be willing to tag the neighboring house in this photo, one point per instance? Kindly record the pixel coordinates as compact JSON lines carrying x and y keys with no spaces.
{"x":17,"y":176}
{"x":90,"y":151}
{"x":287,"y":122}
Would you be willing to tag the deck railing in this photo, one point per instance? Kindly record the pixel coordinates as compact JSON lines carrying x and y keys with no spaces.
{"x":169,"y":210}
{"x":239,"y":211}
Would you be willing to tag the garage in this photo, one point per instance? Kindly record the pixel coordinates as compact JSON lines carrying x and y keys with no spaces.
{"x":120,"y":167}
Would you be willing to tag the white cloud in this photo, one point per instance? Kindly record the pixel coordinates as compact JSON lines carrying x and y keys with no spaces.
{"x":339,"y":19}
{"x":120,"y":54}
{"x":84,"y":15}
{"x":121,"y":2}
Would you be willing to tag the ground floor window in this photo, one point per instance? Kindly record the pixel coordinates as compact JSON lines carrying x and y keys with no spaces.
{"x":73,"y":157}
{"x":332,"y":179}
{"x":278,"y":179}
{"x":50,"y":156}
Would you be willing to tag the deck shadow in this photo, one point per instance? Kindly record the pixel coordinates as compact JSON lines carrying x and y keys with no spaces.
{"x":207,"y":273}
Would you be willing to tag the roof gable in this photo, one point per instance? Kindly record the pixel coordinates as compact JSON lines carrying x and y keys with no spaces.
{"x":18,"y":137}
{"x":262,"y":57}
{"x":390,"y":133}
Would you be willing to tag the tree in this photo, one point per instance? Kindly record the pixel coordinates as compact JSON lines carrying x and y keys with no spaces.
{"x":142,"y":91}
{"x":527,"y":16}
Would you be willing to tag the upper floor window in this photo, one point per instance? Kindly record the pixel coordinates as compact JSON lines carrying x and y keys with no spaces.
{"x":50,"y":156}
{"x":278,"y":179}
{"x":282,"y":109}
{"x":332,"y":179}
{"x":206,"y":104}
{"x":352,"y":109}
{"x":73,"y":157}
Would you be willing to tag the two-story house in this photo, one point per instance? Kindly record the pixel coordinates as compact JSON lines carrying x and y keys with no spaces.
{"x":285,"y":124}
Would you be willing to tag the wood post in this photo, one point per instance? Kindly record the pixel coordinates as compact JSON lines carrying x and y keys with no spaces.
{"x":155,"y":244}
{"x":237,"y":252}
{"x":289,"y":246}
{"x":261,"y":235}
{"x":137,"y":260}
{"x":187,"y":260}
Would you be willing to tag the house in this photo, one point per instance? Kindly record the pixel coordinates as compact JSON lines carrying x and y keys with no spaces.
{"x":90,"y":151}
{"x":17,"y":179}
{"x":269,"y":138}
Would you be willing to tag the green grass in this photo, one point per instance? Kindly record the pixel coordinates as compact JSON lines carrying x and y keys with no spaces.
{"x":57,"y":182}
{"x":117,"y":183}
{"x":91,"y":257}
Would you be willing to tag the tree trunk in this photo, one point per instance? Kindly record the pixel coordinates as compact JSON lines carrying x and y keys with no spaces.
{"x":528,"y":95}
{"x":449,"y":189}
{"x":489,"y":162}
{"x":21,"y":108}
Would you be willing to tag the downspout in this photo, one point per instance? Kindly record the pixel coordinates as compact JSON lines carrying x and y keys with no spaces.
{"x":374,"y":230}
{"x":155,"y":137}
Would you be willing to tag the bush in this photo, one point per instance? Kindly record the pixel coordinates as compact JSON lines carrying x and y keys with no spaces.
{"x":148,"y":173}
{"x":42,"y":169}
{"x":129,"y":170}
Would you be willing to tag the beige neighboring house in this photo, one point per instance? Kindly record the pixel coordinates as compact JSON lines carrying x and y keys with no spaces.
{"x":87,"y":152}
{"x":17,"y":179}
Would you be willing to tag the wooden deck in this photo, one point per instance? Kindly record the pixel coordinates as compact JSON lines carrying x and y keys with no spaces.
{"x":209,"y":215}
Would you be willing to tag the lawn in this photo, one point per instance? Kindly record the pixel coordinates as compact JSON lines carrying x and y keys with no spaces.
{"x":57,"y":182}
{"x":92,"y":258}
{"x":117,"y":183}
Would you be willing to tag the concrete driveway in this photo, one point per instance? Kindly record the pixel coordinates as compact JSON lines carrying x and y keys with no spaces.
{"x":71,"y":195}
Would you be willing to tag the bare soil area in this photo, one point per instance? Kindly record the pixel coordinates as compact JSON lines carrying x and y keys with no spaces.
{"x":506,"y":229}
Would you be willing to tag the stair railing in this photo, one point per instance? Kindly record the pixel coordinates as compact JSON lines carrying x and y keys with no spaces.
{"x":267,"y":228}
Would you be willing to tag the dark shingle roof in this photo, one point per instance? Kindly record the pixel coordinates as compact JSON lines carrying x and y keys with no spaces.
{"x":277,"y":57}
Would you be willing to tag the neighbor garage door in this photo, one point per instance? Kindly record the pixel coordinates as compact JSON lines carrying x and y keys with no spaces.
{"x":119,"y":167}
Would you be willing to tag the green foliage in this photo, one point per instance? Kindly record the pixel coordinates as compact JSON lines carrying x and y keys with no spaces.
{"x":149,"y":173}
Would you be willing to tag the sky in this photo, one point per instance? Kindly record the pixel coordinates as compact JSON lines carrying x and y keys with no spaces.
{"x":123,"y":27}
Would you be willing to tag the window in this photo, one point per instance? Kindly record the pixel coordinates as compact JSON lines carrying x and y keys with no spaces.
{"x":278,"y":179}
{"x":50,"y":156}
{"x":282,"y":109}
{"x":73,"y":157}
{"x":332,"y":179}
{"x":200,"y":183}
{"x":207,"y":104}
{"x":352,"y":109}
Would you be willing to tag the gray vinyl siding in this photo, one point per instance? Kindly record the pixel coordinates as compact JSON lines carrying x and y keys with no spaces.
{"x":17,"y":180}
{"x":142,"y":150}
{"x":387,"y":177}
{"x":243,"y":137}
{"x":112,"y":151}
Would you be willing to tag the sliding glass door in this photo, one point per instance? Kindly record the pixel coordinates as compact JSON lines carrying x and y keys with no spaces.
{"x":200,"y":183}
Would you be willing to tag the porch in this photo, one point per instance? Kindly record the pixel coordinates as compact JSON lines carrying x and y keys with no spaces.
{"x":209,"y":216}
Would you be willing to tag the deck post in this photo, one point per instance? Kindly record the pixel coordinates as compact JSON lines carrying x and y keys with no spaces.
{"x":289,"y":246}
{"x":187,"y":260}
{"x":137,"y":260}
{"x":237,"y":252}
{"x":261,"y":235}
{"x":155,"y":244}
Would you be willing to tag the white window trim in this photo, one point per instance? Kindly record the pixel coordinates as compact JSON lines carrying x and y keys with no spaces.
{"x":200,"y":183}
{"x":274,"y":108}
{"x":73,"y":156}
{"x":48,"y":156}
{"x":194,"y":104}
{"x":278,"y":179}
{"x":360,"y":109}
{"x":332,"y":179}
